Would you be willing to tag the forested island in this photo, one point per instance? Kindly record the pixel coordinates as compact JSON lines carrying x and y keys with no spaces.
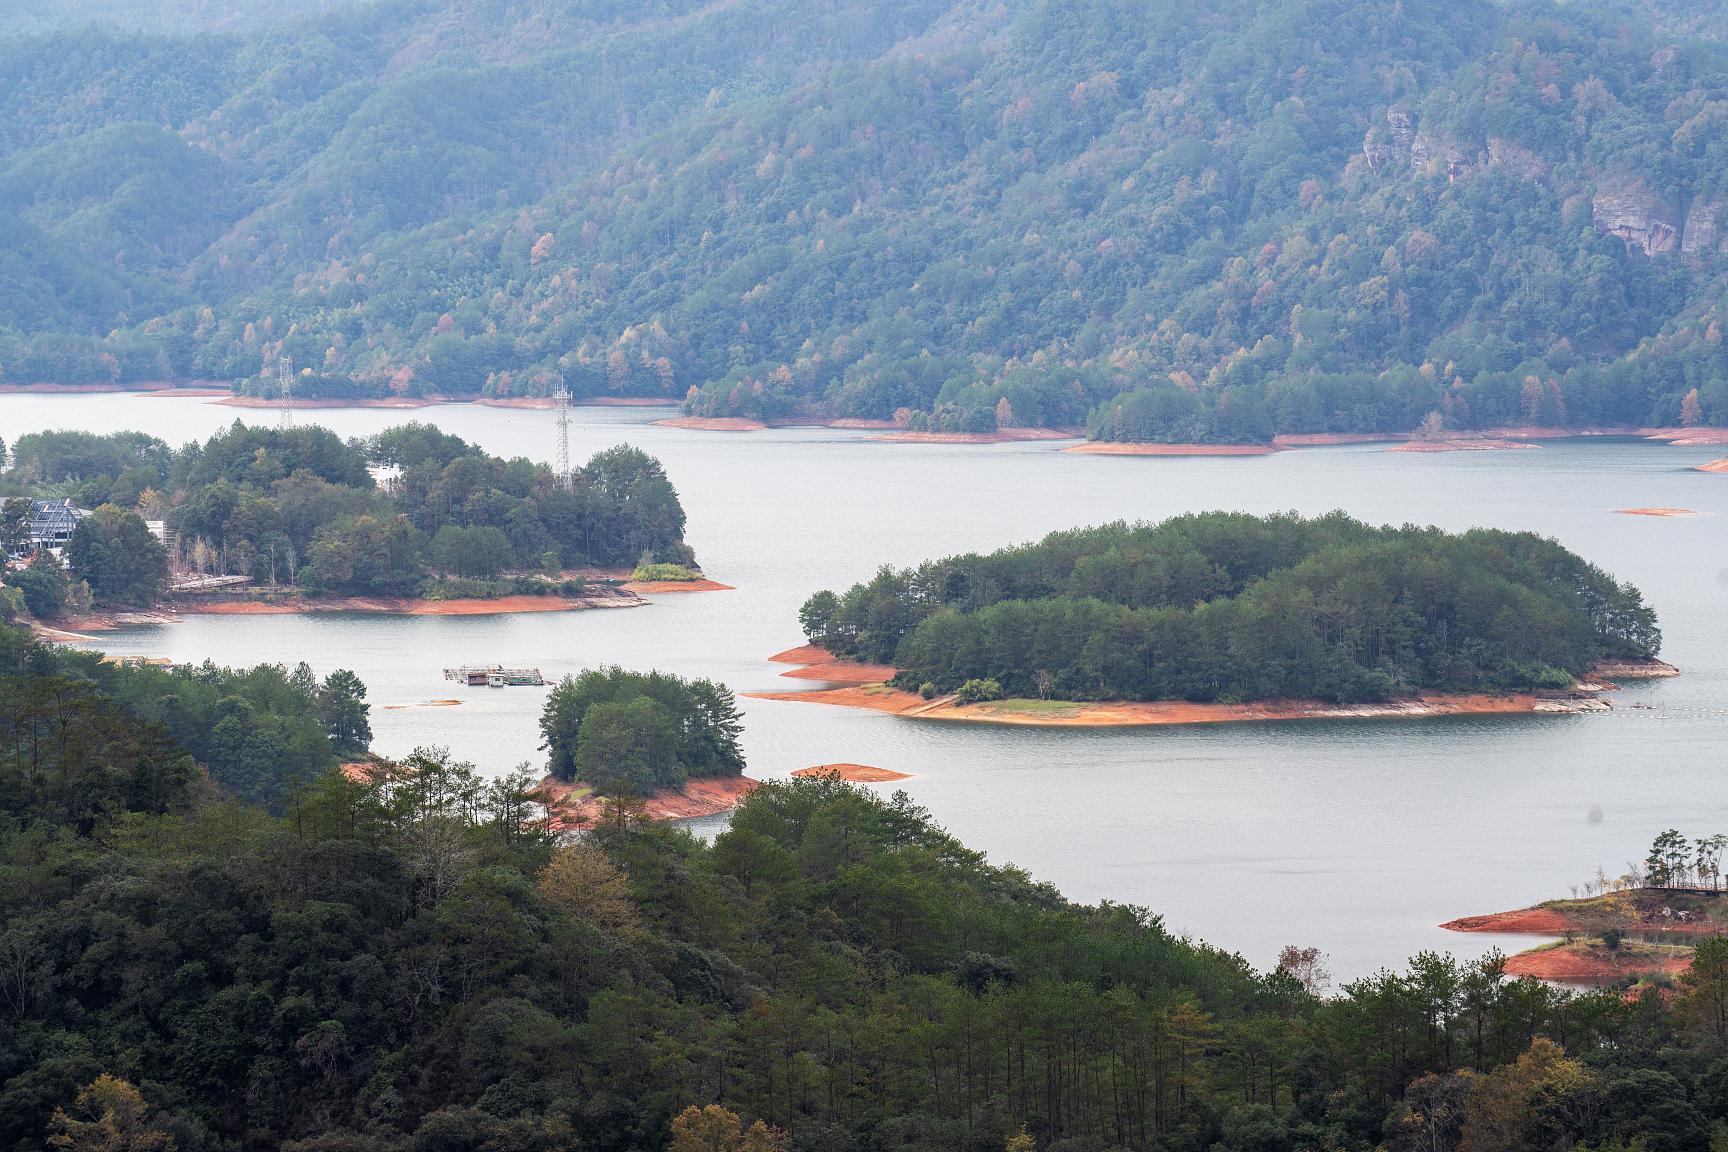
{"x":1199,"y":220}
{"x":200,"y":959}
{"x":618,"y":738}
{"x":256,"y":514}
{"x":1231,"y":608}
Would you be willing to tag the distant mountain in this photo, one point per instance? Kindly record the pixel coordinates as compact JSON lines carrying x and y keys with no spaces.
{"x":1185,"y":220}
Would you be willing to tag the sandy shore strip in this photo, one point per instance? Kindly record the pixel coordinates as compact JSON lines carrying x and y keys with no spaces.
{"x":1655,"y":512}
{"x":1468,"y":444}
{"x":864,"y":686}
{"x":853,"y":773}
{"x":1719,"y":466}
{"x":1003,"y":436}
{"x":648,"y":587}
{"x":816,"y":663}
{"x":1143,"y":714}
{"x":1123,"y":448}
{"x":496,"y":606}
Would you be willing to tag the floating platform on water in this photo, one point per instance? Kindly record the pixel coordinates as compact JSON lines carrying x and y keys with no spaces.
{"x":495,"y":676}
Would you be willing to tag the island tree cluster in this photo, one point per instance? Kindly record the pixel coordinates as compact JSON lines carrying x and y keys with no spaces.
{"x":1229,"y":607}
{"x":299,"y":507}
{"x":640,"y":730}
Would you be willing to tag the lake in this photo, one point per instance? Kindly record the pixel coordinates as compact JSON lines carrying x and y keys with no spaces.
{"x":1357,"y":837}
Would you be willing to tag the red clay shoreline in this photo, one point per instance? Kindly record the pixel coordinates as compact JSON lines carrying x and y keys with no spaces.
{"x":852,"y":773}
{"x":864,"y":686}
{"x":1648,"y":922}
{"x":705,"y":796}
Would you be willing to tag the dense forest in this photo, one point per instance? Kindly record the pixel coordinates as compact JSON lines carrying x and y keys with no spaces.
{"x":410,"y":963}
{"x":301,"y":507}
{"x":1230,"y":607}
{"x":1215,"y":220}
{"x":84,"y":735}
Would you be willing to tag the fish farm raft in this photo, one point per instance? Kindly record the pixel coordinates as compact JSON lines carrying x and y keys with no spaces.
{"x":495,"y":676}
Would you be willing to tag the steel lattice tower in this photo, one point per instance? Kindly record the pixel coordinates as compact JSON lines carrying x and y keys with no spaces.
{"x":285,"y":387}
{"x":563,"y":463}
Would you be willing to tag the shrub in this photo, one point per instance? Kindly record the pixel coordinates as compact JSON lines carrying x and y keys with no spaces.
{"x":927,"y":690}
{"x":664,"y":572}
{"x":978,"y":691}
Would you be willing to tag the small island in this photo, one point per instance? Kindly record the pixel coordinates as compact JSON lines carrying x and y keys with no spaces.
{"x":625,"y":746}
{"x":1228,"y":616}
{"x":100,"y":530}
{"x":1643,"y":927}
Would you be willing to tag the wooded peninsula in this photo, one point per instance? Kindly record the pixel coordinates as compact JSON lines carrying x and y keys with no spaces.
{"x":1229,"y":607}
{"x":411,"y":513}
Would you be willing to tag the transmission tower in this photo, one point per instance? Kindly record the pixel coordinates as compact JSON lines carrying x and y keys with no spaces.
{"x":563,"y":464}
{"x":285,"y":387}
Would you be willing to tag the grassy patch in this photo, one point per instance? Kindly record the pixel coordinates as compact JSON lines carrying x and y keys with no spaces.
{"x":659,"y":572}
{"x":1028,"y":707}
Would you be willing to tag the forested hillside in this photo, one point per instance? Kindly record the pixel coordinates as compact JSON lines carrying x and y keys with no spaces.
{"x":411,"y":964}
{"x":1181,"y":221}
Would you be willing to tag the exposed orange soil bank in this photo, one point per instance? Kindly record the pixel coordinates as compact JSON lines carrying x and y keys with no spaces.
{"x":1004,"y":436}
{"x":1119,"y":448}
{"x":853,"y":773}
{"x":843,"y":672}
{"x":1714,"y":466}
{"x":706,"y":797}
{"x":866,"y":689}
{"x":643,"y":586}
{"x":1656,"y":511}
{"x":1584,"y":962}
{"x":803,"y":654}
{"x":1525,"y":921}
{"x":820,"y":664}
{"x":1124,"y":714}
{"x":1471,"y":444}
{"x":398,"y":607}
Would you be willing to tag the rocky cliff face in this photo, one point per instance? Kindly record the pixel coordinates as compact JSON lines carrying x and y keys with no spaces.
{"x":1390,"y":143}
{"x":1703,"y":235}
{"x":1638,"y":216}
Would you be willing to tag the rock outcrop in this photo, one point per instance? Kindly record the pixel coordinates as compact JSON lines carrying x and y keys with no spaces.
{"x":1638,"y":216}
{"x":1516,"y":159}
{"x":1703,"y":234}
{"x":1389,"y":143}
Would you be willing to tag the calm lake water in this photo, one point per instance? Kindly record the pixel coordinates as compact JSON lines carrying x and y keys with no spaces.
{"x":1358,"y":836}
